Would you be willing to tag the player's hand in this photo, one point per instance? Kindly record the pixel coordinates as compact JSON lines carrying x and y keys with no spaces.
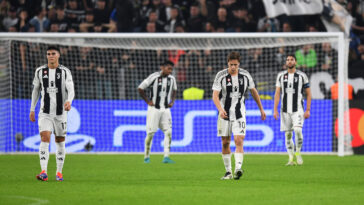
{"x":223,"y":114}
{"x":170,"y":104}
{"x":275,"y":114}
{"x":307,"y":114}
{"x":262,"y":115}
{"x":32,"y":116}
{"x":151,"y":103}
{"x":67,"y":106}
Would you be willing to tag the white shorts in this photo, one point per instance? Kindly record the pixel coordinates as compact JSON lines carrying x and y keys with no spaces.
{"x":226,"y":127}
{"x":55,"y":124}
{"x":291,"y":120}
{"x":158,"y":118}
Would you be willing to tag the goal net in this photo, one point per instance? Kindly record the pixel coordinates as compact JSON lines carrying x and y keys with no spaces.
{"x":108,"y":115}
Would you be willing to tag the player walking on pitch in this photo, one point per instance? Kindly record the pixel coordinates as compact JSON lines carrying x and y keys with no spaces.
{"x":163,"y":94}
{"x":292,"y":83}
{"x":54,"y":82}
{"x":229,"y":91}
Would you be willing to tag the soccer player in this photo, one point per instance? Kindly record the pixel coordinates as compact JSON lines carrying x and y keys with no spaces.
{"x":163,"y":94}
{"x":54,"y":82}
{"x":229,"y":90}
{"x":292,"y":82}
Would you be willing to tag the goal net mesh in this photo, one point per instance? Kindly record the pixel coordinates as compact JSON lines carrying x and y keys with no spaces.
{"x":109,"y":116}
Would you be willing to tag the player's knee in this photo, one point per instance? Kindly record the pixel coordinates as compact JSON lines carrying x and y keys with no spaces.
{"x":60,"y":139}
{"x":238,"y":141}
{"x":225,"y":143}
{"x":45,"y":136}
{"x":168,"y":132}
{"x":288,"y":134}
{"x":298,"y":131}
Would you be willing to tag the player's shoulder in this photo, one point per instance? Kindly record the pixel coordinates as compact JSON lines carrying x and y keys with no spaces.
{"x":299,"y":72}
{"x":62,"y":67}
{"x":222,"y":73}
{"x":242,"y":71}
{"x":172,"y":77}
{"x":41,"y":67}
{"x":154,"y":75}
{"x":281,"y":73}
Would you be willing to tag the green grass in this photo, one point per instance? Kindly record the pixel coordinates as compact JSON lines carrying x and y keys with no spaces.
{"x":194,"y":179}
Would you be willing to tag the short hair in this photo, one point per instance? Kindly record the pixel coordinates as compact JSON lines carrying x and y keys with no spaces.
{"x":291,"y":55}
{"x":53,"y":48}
{"x":168,"y":62}
{"x":234,"y":56}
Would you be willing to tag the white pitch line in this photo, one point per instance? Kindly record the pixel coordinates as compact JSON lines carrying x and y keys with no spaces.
{"x":37,"y":201}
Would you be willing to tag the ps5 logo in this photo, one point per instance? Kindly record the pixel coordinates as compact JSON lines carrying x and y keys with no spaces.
{"x":189,"y":127}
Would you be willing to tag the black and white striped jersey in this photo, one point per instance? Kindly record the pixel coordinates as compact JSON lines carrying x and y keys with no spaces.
{"x":292,"y":86}
{"x":55,"y":86}
{"x":232,"y":91}
{"x":161,"y":88}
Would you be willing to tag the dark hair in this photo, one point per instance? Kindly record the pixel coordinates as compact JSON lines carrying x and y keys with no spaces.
{"x":292,"y":55}
{"x":234,"y":56}
{"x":53,"y":48}
{"x":168,"y":62}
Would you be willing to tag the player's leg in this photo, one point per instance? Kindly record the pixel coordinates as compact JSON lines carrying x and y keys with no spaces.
{"x":226,"y":156}
{"x":45,"y":128}
{"x":60,"y":156}
{"x":238,"y":128}
{"x":60,"y":131}
{"x":152,"y":127}
{"x":44,"y":154}
{"x":224,"y":132}
{"x":166,"y":127}
{"x":298,"y":120}
{"x":286,"y":127}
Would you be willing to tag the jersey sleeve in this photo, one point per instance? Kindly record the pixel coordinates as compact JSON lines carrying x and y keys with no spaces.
{"x":217,"y":83}
{"x":174,"y":84}
{"x":70,"y":86}
{"x":146,"y":82}
{"x":278,"y":83}
{"x":306,"y":83}
{"x":36,"y":91}
{"x":251,"y":82}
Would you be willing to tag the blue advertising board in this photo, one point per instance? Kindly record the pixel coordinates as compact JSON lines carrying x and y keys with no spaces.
{"x":119,"y":126}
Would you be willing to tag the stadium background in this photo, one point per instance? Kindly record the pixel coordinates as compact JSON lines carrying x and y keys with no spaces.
{"x":156,"y":16}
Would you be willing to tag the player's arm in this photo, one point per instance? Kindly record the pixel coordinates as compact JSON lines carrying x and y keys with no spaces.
{"x":35,"y":97}
{"x":70,"y":91}
{"x":144,"y":96}
{"x":173,"y":98}
{"x":276,"y":102}
{"x":256,"y":97}
{"x":215,"y":98}
{"x":308,"y":108}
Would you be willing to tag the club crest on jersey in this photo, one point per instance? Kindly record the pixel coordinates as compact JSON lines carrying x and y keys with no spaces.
{"x":229,"y":84}
{"x":295,"y":79}
{"x":58,"y":75}
{"x":240,"y":81}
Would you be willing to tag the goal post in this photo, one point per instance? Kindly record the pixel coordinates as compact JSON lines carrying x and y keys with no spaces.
{"x":109,"y":116}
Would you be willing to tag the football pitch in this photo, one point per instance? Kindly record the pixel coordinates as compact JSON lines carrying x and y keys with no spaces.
{"x":193,"y":179}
